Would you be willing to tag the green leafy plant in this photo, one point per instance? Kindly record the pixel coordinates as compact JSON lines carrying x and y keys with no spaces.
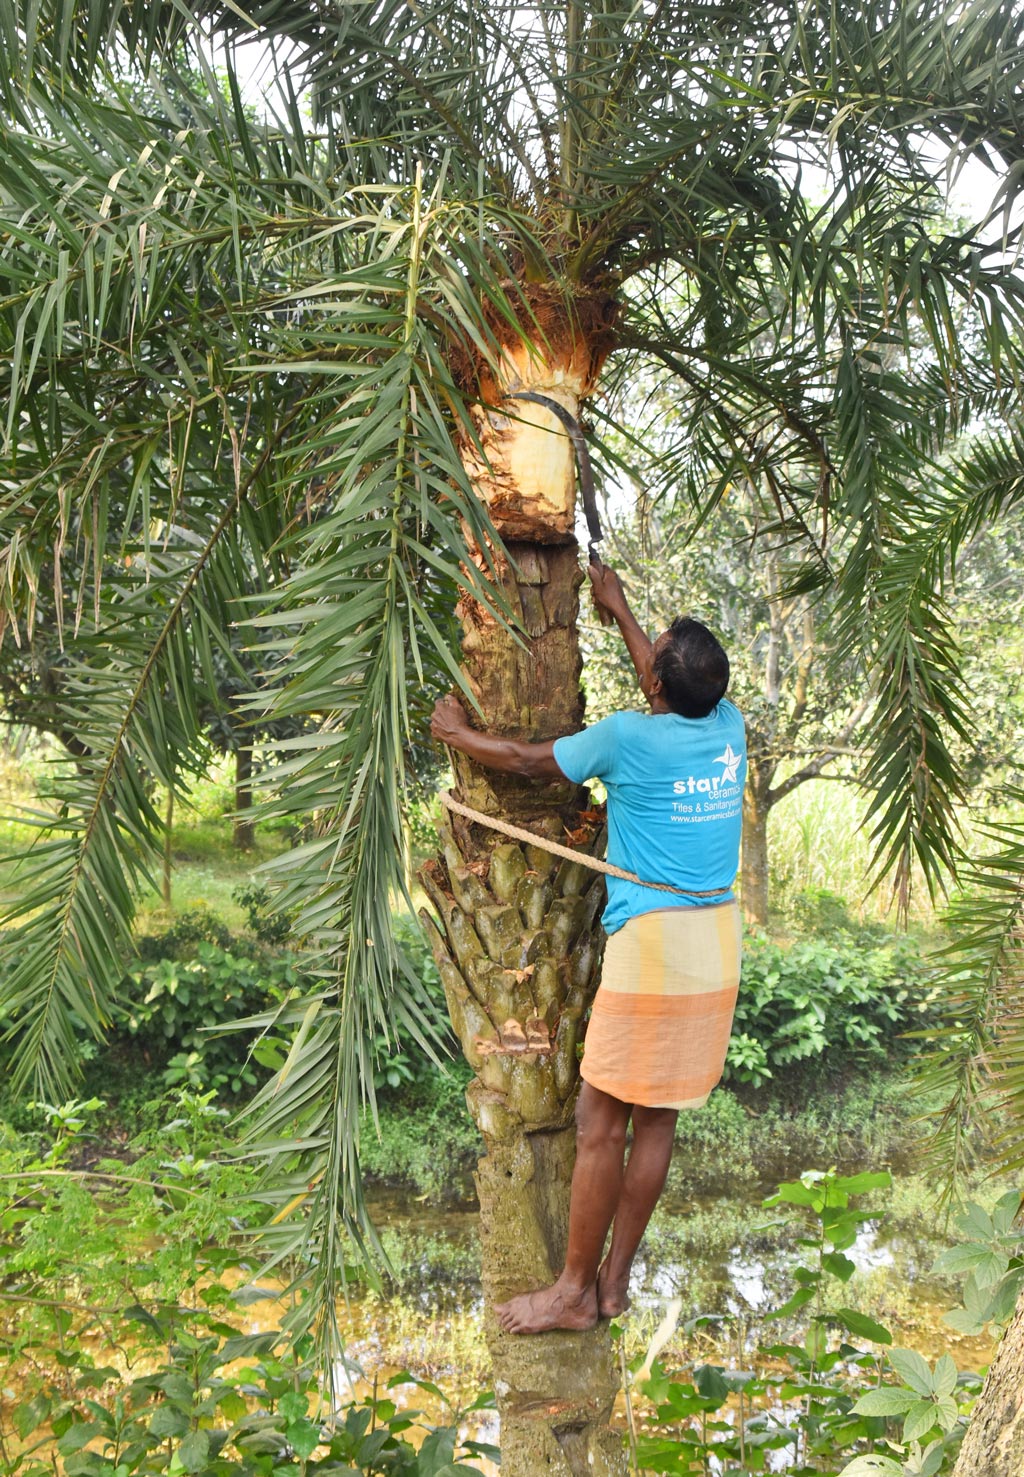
{"x":182,"y":1012}
{"x":925,"y":1402}
{"x":226,"y":1404}
{"x":153,"y":1271}
{"x":823,"y":1396}
{"x":992,"y":1257}
{"x":270,"y":925}
{"x":818,"y":998}
{"x":194,"y":925}
{"x":748,"y":1059}
{"x":835,"y":1224}
{"x":66,"y":1122}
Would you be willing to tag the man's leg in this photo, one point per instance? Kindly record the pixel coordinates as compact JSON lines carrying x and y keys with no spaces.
{"x":642,"y":1184}
{"x":571,"y":1302}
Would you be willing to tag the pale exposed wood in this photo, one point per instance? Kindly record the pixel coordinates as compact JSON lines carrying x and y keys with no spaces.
{"x":527,"y":473}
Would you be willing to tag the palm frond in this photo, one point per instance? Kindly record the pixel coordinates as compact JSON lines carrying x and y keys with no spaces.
{"x":242,"y":361}
{"x":150,"y":374}
{"x":131,"y":697}
{"x":364,"y":624}
{"x":976,"y":1069}
{"x":917,"y":786}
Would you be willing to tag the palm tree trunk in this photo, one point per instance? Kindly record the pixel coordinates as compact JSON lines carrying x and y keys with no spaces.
{"x":518,"y":949}
{"x":994,"y":1444}
{"x":517,"y":938}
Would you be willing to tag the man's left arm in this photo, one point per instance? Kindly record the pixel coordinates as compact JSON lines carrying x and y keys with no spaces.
{"x":451,"y":725}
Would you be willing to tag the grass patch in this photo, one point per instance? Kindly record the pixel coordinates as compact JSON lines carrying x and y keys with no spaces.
{"x":206,"y":869}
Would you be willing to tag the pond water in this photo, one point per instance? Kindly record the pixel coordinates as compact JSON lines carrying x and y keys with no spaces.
{"x":721,"y":1254}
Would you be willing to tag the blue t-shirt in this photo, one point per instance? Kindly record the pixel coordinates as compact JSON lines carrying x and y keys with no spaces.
{"x":675,"y":802}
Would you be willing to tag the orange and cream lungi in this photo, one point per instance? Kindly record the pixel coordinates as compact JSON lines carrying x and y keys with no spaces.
{"x":660,"y":1023}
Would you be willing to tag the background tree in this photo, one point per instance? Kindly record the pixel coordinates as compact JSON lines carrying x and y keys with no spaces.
{"x":217,"y":319}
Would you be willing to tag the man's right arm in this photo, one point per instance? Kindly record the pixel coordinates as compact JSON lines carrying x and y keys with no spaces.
{"x":534,"y":761}
{"x":610,"y":596}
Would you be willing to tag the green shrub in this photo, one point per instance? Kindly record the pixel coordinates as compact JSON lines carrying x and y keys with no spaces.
{"x":129,"y":1354}
{"x":269,"y":926}
{"x":815,"y":999}
{"x":181,"y":1011}
{"x":198,"y":980}
{"x":191,"y":927}
{"x":819,"y":1400}
{"x":819,"y":911}
{"x":196,"y":1411}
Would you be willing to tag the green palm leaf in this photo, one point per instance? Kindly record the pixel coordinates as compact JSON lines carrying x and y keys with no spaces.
{"x":366,"y":614}
{"x":977,"y":1068}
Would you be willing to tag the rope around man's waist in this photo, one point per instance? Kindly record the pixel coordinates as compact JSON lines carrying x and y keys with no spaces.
{"x":594,"y":863}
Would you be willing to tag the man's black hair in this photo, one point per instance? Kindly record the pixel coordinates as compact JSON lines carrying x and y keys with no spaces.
{"x":693,"y":669}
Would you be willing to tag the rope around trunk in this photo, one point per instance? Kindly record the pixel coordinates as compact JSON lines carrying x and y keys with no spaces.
{"x":594,"y":863}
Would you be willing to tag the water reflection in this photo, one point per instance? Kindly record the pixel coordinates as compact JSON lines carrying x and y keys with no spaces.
{"x":722,"y":1254}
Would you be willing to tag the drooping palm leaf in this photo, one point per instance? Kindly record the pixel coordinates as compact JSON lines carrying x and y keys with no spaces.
{"x":223,"y":355}
{"x":976,"y":1069}
{"x":367,"y":613}
{"x":913,"y":773}
{"x":302,"y":440}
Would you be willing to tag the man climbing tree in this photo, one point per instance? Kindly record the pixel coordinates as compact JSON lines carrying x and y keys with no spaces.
{"x":661,"y":1019}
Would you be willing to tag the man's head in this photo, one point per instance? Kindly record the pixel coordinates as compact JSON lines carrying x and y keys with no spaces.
{"x":692,"y":668}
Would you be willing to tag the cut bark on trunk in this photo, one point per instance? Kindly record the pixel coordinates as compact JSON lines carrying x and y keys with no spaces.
{"x":518,"y":946}
{"x":519,"y":943}
{"x":994,"y":1444}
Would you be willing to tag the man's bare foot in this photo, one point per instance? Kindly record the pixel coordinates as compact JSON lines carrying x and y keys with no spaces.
{"x":612,"y":1294}
{"x":550,"y":1307}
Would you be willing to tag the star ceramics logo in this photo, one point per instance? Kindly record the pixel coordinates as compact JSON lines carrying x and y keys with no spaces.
{"x":715,"y":783}
{"x":732,"y":763}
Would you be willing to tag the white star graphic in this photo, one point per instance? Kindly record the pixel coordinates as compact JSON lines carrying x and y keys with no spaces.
{"x":732,"y":763}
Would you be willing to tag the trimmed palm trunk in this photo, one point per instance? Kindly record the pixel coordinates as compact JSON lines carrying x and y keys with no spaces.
{"x":517,"y":938}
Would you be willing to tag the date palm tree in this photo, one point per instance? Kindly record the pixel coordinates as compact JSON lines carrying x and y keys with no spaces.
{"x":281,"y":355}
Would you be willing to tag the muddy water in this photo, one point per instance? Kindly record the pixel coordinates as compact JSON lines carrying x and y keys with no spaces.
{"x":721,"y":1254}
